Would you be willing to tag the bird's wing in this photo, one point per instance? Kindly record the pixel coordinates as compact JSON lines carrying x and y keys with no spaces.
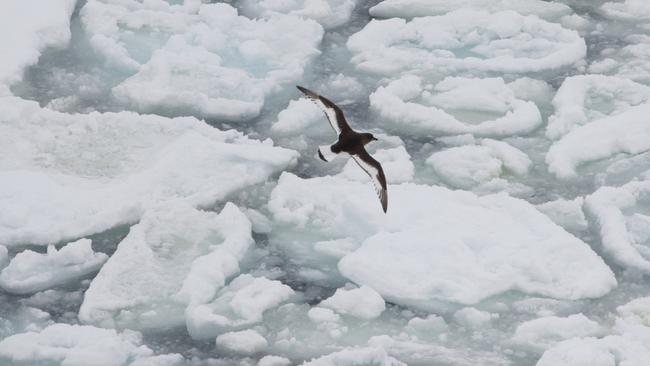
{"x":374,"y":170}
{"x":332,"y":111}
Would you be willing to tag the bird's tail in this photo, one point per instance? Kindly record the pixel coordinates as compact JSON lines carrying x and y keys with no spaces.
{"x":325,"y":153}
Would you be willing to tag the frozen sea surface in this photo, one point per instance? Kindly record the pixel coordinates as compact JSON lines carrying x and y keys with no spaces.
{"x":162,"y":203}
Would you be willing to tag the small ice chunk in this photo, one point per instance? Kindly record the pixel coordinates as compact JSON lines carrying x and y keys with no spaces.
{"x":628,"y":62}
{"x":634,"y":319}
{"x":300,"y":116}
{"x":245,"y":342}
{"x":585,"y":98}
{"x":362,"y":302}
{"x":566,"y":213}
{"x":431,"y":324}
{"x":417,"y":8}
{"x":322,"y":315}
{"x":356,"y":356}
{"x":75,"y":345}
{"x":627,"y":132}
{"x":237,"y":306}
{"x":338,"y":248}
{"x":465,"y":40}
{"x":274,"y":361}
{"x":625,"y":235}
{"x":473,"y":318}
{"x":176,"y":256}
{"x":633,"y":11}
{"x":543,"y":333}
{"x":31,"y":272}
{"x":481,"y":107}
{"x":330,"y":14}
{"x":608,"y":351}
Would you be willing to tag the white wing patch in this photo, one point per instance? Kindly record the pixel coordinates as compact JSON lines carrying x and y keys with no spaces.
{"x":330,"y":113}
{"x":374,"y":175}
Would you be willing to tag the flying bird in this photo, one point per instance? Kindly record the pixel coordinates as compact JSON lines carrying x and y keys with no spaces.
{"x":350,"y":142}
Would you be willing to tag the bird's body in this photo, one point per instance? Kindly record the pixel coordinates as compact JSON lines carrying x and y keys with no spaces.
{"x":350,"y":142}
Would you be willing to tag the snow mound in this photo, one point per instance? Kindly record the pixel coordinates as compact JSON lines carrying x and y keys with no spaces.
{"x":330,"y":14}
{"x":627,"y":132}
{"x":75,"y":345}
{"x":434,"y":244}
{"x":362,"y":302}
{"x":199,"y":57}
{"x":620,"y":216}
{"x":245,"y":342}
{"x":584,"y":98}
{"x":174,"y":257}
{"x":608,"y":351}
{"x":408,"y":106}
{"x":65,"y":176}
{"x":465,"y":40}
{"x":356,"y":357}
{"x":239,"y":305}
{"x":543,"y":333}
{"x":419,"y":8}
{"x":634,"y":11}
{"x":469,"y":166}
{"x":31,"y":272}
{"x":25,"y":33}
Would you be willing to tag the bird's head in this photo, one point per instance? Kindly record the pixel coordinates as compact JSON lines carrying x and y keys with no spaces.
{"x":368,"y":137}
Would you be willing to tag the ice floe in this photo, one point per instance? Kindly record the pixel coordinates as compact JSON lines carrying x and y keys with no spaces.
{"x":329,"y":14}
{"x":451,"y":107}
{"x":25,"y":33}
{"x":566,"y":213}
{"x":467,"y":41}
{"x":175,"y":256}
{"x":65,"y":176}
{"x":629,"y":61}
{"x":633,"y":11}
{"x":362,"y":302}
{"x":624,"y":133}
{"x":356,"y":357}
{"x":624,"y":228}
{"x":543,"y":333}
{"x":31,"y":272}
{"x":76,"y":345}
{"x":244,"y":342}
{"x":434,"y":244}
{"x":471,"y":165}
{"x":611,"y":350}
{"x":203,"y":58}
{"x":239,"y":305}
{"x":551,"y":11}
{"x":585,"y":98}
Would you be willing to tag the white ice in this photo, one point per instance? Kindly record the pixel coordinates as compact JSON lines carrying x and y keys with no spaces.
{"x":434,"y":245}
{"x":609,"y":351}
{"x":237,"y":306}
{"x":175,"y":256}
{"x":25,"y":33}
{"x":483,"y":107}
{"x":77,"y":345}
{"x":362,"y":302}
{"x":624,"y":133}
{"x":620,"y":218}
{"x":543,"y":333}
{"x":330,"y":14}
{"x":629,"y":61}
{"x":356,"y":357}
{"x":30,"y":272}
{"x":196,"y":57}
{"x":467,"y":41}
{"x":244,"y":342}
{"x":550,"y":11}
{"x":64,"y":176}
{"x":567,"y":213}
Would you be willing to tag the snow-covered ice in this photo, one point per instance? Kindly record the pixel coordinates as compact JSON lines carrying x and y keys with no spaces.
{"x":30,"y":272}
{"x":435,"y":245}
{"x":356,"y":357}
{"x":239,"y":305}
{"x":362,"y":302}
{"x":451,"y":107}
{"x":176,"y":256}
{"x":244,"y":342}
{"x":65,"y":176}
{"x":329,"y":14}
{"x":77,"y":345}
{"x":467,"y":41}
{"x":543,"y":333}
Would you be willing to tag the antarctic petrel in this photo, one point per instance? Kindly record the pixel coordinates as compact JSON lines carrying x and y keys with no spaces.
{"x":351,"y":142}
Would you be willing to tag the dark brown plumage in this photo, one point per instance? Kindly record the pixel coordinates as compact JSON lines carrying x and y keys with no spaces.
{"x":350,"y":142}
